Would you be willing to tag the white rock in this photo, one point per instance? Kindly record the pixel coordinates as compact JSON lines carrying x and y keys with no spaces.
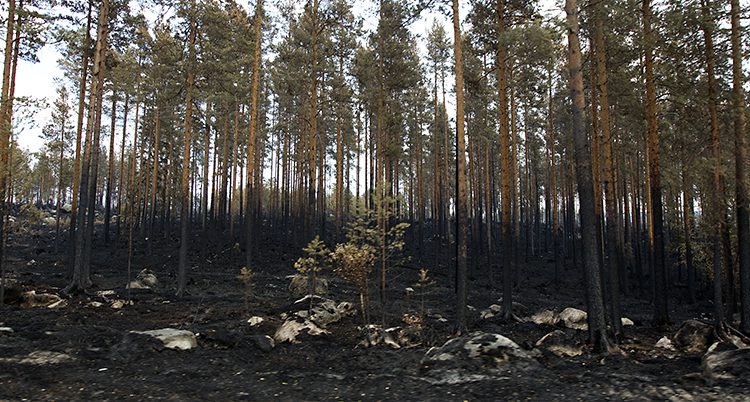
{"x":67,"y":208}
{"x":665,"y":343}
{"x":574,"y":318}
{"x":39,"y":358}
{"x":179,"y":339}
{"x":626,"y":322}
{"x":253,"y":321}
{"x":145,"y":280}
{"x":118,"y":304}
{"x":545,"y":317}
{"x":6,"y":330}
{"x":291,"y":328}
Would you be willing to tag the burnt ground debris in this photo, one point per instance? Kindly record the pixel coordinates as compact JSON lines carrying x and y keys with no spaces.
{"x":86,"y":349}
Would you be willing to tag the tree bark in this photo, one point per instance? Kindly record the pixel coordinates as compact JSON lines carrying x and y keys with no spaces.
{"x":742,"y":158}
{"x":5,"y":129}
{"x":661,"y":313}
{"x":612,"y":229}
{"x":110,"y":169}
{"x":186,"y":194}
{"x":254,"y":84}
{"x":597,"y":327}
{"x":80,"y":279}
{"x":461,"y":199}
{"x":507,"y":241}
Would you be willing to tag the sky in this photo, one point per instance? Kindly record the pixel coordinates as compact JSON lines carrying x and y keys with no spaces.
{"x":38,"y":80}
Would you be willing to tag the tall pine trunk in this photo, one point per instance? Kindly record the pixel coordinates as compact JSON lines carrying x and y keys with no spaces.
{"x":612,"y":229}
{"x":461,"y":199}
{"x":505,"y":157}
{"x":596,"y":321}
{"x":742,"y":158}
{"x":185,"y":206}
{"x":254,"y":83}
{"x":661,"y":313}
{"x":5,"y":128}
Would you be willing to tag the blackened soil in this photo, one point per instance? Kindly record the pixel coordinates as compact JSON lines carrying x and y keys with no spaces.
{"x":108,"y":362}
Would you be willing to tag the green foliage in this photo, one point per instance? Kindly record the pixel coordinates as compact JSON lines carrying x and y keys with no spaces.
{"x":316,"y":259}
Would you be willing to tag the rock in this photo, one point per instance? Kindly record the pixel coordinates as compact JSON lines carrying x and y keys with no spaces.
{"x":693,"y":336}
{"x":292,"y":327}
{"x":626,"y":322}
{"x":474,"y":357}
{"x":39,"y":358}
{"x":67,"y":208}
{"x":95,"y":304}
{"x":146,"y":279}
{"x":31,"y":299}
{"x":560,"y":344}
{"x":664,"y":343}
{"x":314,"y":321}
{"x":106,"y":293}
{"x":253,"y":321}
{"x":497,"y":309}
{"x":396,"y":337}
{"x":298,"y":286}
{"x":49,"y":221}
{"x":327,"y":312}
{"x":545,"y":317}
{"x":263,"y":342}
{"x":574,"y":318}
{"x":6,"y":330}
{"x":732,"y":364}
{"x":118,"y":304}
{"x":179,"y":339}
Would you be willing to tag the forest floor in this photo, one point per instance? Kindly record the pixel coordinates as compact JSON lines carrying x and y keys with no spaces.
{"x":84,"y":349}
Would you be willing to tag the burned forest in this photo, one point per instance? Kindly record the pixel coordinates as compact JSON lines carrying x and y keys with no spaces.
{"x":375,"y":200}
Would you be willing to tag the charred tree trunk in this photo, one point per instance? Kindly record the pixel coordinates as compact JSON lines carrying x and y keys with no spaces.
{"x":742,"y":158}
{"x":185,"y":206}
{"x":661,"y":313}
{"x":596,"y":321}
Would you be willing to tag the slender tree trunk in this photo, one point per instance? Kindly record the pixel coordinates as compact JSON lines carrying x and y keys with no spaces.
{"x":5,"y":129}
{"x":742,"y":158}
{"x":552,"y":191}
{"x":185,"y":206}
{"x":597,"y":327}
{"x":60,"y":179}
{"x":80,"y":279}
{"x":718,"y":207}
{"x":612,"y":228}
{"x":120,"y":189}
{"x":206,"y":165}
{"x":254,"y":84}
{"x":79,"y":135}
{"x":461,"y":199}
{"x":505,"y":157}
{"x":110,"y":169}
{"x":339,"y":167}
{"x":687,"y":208}
{"x":661,"y":312}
